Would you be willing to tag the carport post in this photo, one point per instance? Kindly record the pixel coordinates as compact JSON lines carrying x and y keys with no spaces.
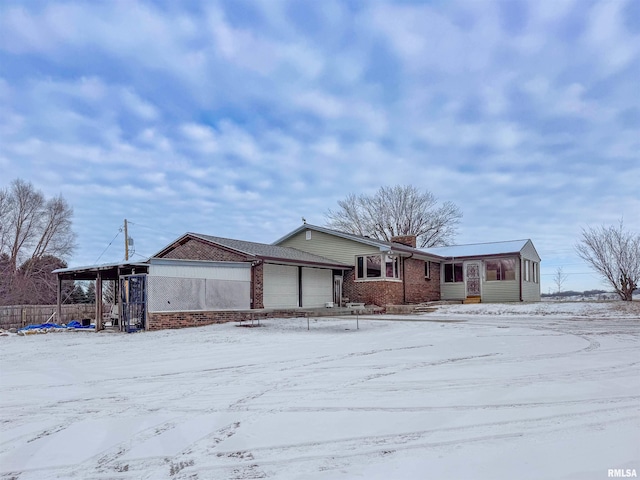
{"x":59,"y":300}
{"x":99,"y":301}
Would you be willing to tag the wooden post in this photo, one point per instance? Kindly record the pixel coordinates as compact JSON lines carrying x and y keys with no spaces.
{"x":59,"y":300}
{"x":126,"y":242}
{"x":99,"y":302}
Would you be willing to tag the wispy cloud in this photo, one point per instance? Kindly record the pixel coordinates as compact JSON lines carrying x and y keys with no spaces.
{"x":239,"y":118}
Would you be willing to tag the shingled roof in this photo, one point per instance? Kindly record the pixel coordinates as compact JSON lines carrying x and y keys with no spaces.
{"x":265,"y":251}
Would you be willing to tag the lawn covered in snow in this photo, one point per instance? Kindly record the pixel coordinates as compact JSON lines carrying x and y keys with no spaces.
{"x":526,"y":391}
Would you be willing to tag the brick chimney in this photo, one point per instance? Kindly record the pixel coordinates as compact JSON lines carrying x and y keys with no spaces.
{"x":408,"y":240}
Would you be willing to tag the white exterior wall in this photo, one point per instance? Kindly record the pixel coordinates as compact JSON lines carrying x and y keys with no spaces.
{"x":193,"y":286}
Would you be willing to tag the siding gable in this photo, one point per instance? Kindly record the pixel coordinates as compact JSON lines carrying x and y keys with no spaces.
{"x":339,"y":249}
{"x":529,"y":252}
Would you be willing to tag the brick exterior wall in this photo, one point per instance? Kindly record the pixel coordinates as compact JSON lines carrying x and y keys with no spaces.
{"x":408,"y":240}
{"x":376,"y":292}
{"x":170,"y":320}
{"x":195,"y":249}
{"x":257,"y":285}
{"x":416,"y":288}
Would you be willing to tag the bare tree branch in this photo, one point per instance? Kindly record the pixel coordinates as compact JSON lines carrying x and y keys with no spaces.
{"x":615,"y":254}
{"x":34,"y":235}
{"x":559,"y":278}
{"x":398,"y":210}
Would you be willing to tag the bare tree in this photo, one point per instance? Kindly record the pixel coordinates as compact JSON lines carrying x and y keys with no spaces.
{"x":398,"y":210}
{"x":32,"y":230}
{"x":614,"y":253}
{"x":559,"y":278}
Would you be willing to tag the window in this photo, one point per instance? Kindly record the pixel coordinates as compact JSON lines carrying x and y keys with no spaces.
{"x":452,"y":272}
{"x":503,"y":269}
{"x":391,"y":264}
{"x":535,"y":272}
{"x":427,"y":270}
{"x":308,"y":235}
{"x":527,"y":270}
{"x":372,"y":266}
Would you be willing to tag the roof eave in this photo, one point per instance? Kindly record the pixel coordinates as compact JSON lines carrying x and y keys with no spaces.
{"x":290,"y":261}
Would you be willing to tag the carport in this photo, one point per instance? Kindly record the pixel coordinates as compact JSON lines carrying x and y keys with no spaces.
{"x":98,"y":274}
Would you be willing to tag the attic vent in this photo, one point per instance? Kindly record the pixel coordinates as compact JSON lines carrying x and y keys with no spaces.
{"x":308,"y":235}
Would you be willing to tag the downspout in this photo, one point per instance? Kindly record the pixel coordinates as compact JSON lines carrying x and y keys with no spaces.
{"x":299,"y":286}
{"x":520,"y":273}
{"x":404,"y":280}
{"x":253,"y":286}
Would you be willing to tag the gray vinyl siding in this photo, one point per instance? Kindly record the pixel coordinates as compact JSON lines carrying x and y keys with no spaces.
{"x":530,"y":289}
{"x":501,"y":291}
{"x":329,"y":246}
{"x":530,"y":292}
{"x":496,"y":291}
{"x":529,"y":252}
{"x":452,"y":291}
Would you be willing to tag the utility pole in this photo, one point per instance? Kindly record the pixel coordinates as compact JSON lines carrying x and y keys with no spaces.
{"x":126,"y":242}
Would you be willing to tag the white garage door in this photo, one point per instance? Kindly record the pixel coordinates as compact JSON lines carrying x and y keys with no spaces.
{"x":280,"y":286}
{"x":317,"y":287}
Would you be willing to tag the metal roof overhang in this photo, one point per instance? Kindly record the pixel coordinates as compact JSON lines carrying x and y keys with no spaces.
{"x":108,"y":271}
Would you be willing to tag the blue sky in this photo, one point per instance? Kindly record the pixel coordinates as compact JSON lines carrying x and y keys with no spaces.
{"x":239,"y":118}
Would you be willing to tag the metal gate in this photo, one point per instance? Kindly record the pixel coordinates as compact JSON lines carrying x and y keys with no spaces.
{"x":133,"y":294}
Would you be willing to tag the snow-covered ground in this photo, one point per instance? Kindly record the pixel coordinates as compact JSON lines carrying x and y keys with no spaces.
{"x":526,"y":391}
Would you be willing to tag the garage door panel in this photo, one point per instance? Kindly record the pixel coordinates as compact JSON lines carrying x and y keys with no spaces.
{"x":280,"y":286}
{"x":317,"y":287}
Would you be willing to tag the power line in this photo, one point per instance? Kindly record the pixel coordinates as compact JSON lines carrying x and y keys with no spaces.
{"x":153,"y":229}
{"x":568,"y":273}
{"x":119,"y":231}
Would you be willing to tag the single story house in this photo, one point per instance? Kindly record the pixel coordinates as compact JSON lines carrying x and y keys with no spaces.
{"x":396,"y":272}
{"x":201,"y":279}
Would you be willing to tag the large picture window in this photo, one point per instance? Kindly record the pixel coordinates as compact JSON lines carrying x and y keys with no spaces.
{"x":377,"y":266}
{"x":453,"y":272}
{"x":503,"y":269}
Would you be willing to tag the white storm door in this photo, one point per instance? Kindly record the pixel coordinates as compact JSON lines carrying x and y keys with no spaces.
{"x":473,"y":280}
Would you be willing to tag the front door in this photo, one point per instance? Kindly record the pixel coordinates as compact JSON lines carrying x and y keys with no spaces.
{"x":472,"y":279}
{"x":337,"y":291}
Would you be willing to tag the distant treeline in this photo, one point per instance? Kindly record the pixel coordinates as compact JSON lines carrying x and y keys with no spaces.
{"x":573,"y":293}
